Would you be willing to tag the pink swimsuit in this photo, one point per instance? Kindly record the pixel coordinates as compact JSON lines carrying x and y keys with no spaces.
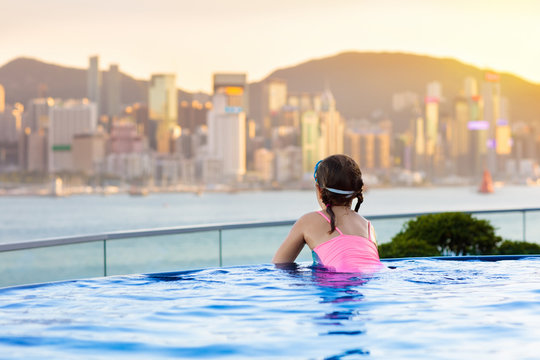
{"x":347,"y":253}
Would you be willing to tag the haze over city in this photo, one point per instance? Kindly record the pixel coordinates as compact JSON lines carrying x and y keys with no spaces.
{"x":196,"y":39}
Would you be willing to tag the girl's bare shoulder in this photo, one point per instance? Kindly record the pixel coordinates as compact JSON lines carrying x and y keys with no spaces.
{"x":311,"y":216}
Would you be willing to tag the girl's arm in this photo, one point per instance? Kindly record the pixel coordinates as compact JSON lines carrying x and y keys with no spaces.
{"x":293,"y":244}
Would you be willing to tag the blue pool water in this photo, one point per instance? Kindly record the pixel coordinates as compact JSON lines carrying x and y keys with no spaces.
{"x":418,"y":309}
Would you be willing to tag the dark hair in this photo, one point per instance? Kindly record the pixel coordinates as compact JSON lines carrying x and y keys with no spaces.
{"x":339,"y":172}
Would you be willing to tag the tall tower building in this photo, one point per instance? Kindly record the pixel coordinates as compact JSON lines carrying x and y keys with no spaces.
{"x":459,"y":142}
{"x":433,"y":97}
{"x":93,"y":83}
{"x":478,"y":136}
{"x":274,"y":97}
{"x":162,"y":111}
{"x":419,"y":144}
{"x":227,"y":125}
{"x":491,"y":92}
{"x":2,"y":99}
{"x":310,"y":139}
{"x":113,"y":92}
{"x":332,"y":126}
{"x":65,"y":121}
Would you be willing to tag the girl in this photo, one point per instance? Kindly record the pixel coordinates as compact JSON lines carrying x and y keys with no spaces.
{"x":340,"y":239}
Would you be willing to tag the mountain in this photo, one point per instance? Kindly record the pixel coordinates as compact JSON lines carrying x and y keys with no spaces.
{"x":363,"y":82}
{"x":25,"y":78}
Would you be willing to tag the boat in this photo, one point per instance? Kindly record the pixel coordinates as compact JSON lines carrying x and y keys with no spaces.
{"x":138,"y":191}
{"x":486,"y":187}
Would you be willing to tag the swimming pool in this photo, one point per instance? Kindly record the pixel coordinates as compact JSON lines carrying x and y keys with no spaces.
{"x":418,"y":308}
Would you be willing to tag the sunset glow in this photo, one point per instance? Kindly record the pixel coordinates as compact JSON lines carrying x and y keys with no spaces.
{"x":196,"y":39}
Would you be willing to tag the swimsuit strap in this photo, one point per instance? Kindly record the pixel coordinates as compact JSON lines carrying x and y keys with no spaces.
{"x":327,"y":219}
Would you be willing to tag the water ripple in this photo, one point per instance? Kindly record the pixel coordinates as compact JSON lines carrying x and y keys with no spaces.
{"x":465,"y":309}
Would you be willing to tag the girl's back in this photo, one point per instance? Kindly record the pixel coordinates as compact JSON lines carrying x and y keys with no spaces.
{"x":351,"y":247}
{"x":339,"y":238}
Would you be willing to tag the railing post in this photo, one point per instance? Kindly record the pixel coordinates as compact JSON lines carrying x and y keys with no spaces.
{"x":220,"y":250}
{"x":104,"y":257}
{"x":524,"y":219}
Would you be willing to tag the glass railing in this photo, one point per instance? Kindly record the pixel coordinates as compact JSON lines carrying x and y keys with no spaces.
{"x":172,"y":249}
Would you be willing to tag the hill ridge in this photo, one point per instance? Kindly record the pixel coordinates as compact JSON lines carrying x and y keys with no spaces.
{"x":362,"y":82}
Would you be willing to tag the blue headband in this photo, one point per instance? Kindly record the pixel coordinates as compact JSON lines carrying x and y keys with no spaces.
{"x":335,"y":191}
{"x":341,"y":192}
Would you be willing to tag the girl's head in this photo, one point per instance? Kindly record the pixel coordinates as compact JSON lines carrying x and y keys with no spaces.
{"x":339,"y":180}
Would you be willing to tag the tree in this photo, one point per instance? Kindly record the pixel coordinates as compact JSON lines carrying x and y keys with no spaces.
{"x":452,"y":233}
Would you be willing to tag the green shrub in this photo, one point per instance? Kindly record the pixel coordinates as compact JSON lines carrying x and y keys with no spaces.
{"x":407,"y":248}
{"x":452,"y":233}
{"x":518,"y":248}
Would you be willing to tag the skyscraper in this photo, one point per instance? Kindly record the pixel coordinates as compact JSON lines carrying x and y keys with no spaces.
{"x":113,"y":92}
{"x":274,"y":97}
{"x":478,"y":136}
{"x":419,"y":144}
{"x":93,"y":84}
{"x":162,"y":111}
{"x":227,"y":125}
{"x":332,"y":126}
{"x":310,"y":139}
{"x":459,"y":142}
{"x":433,"y":97}
{"x":2,"y":99}
{"x":491,"y":91}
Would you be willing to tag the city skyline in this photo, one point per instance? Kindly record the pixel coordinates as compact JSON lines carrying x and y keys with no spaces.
{"x":197,"y":40}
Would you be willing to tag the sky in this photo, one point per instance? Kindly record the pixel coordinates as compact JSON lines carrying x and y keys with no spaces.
{"x":197,"y":38}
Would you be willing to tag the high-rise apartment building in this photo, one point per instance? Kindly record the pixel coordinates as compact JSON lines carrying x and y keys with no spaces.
{"x":93,"y":83}
{"x":227,"y":126}
{"x":162,"y":111}
{"x":65,"y":121}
